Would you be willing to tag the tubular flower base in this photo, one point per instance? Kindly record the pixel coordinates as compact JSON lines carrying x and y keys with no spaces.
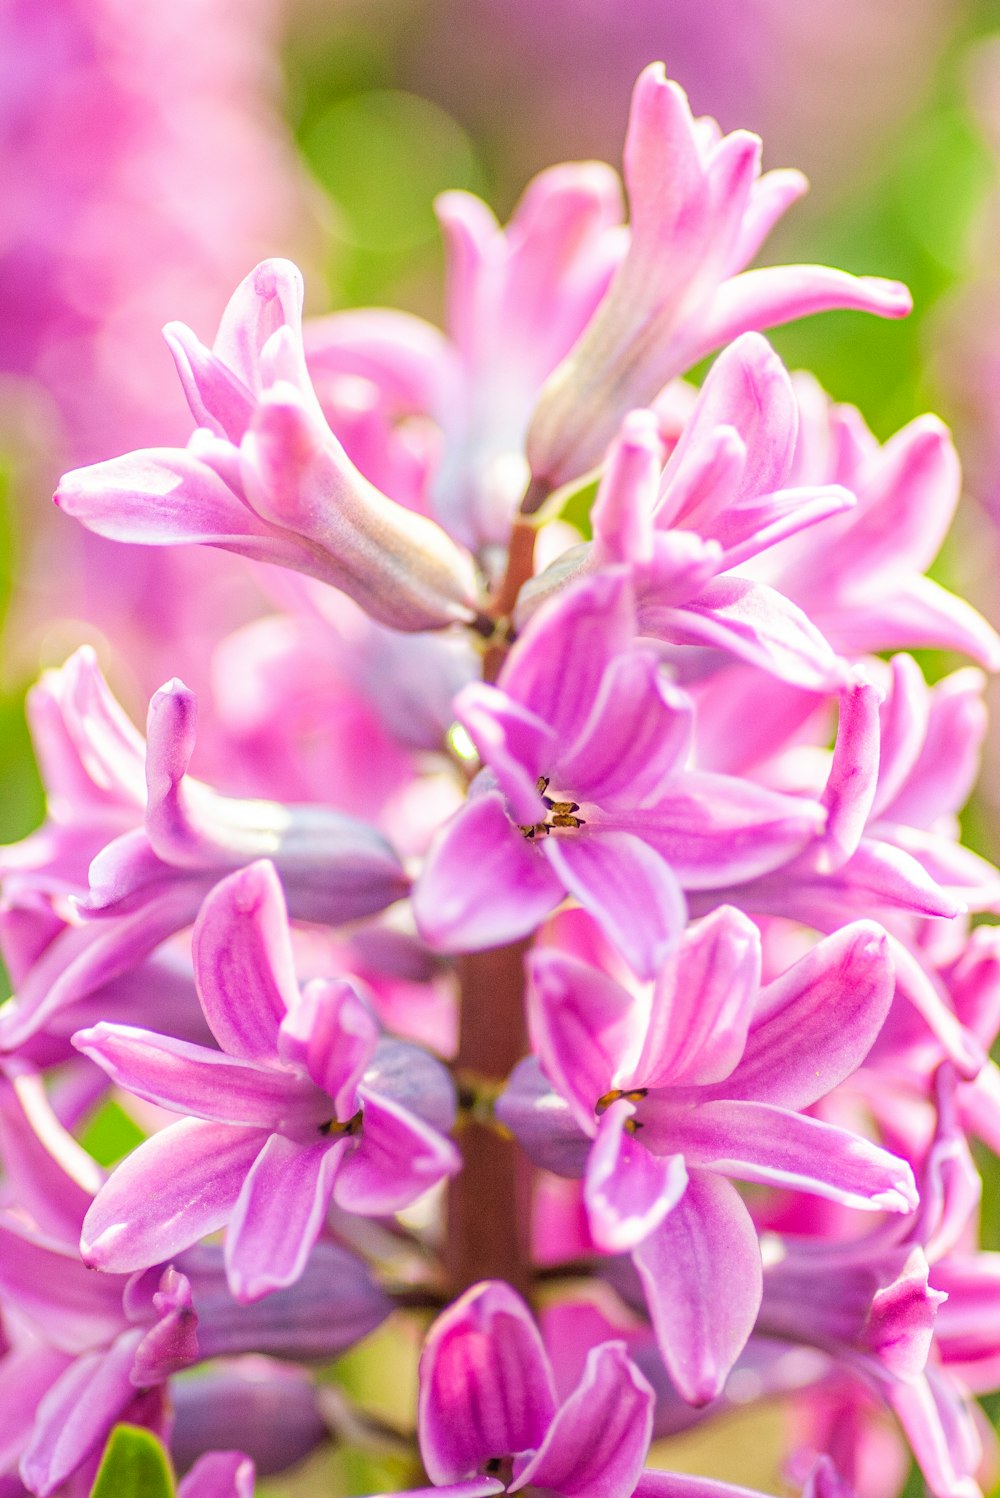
{"x":585,"y":940}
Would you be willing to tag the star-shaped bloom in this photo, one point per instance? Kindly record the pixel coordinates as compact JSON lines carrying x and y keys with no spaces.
{"x":587,"y":793}
{"x":698,"y":1078}
{"x":302,"y":1106}
{"x":699,"y":212}
{"x":265,"y":477}
{"x":688,"y":528}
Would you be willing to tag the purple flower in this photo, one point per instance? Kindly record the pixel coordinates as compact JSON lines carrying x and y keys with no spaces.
{"x":699,"y":212}
{"x":302,"y":1106}
{"x":586,"y":793}
{"x":700,"y":1078}
{"x":93,"y":1349}
{"x":149,"y":882}
{"x":265,"y":477}
{"x":488,"y":1406}
{"x":721,"y":499}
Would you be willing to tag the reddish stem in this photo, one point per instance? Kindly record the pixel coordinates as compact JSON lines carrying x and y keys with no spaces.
{"x":489,"y":1202}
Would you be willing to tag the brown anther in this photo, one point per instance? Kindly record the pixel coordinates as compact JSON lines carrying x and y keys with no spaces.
{"x":348,"y":1129}
{"x":634,"y":1095}
{"x":558,"y":814}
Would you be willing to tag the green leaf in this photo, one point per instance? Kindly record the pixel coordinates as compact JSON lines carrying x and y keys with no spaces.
{"x":575,"y":502}
{"x":134,"y":1465}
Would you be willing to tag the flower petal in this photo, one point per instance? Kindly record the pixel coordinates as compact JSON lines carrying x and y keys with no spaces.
{"x":513,"y":741}
{"x":396,"y":1159}
{"x":77,"y":1413}
{"x":171,"y":1191}
{"x":485,"y":1385}
{"x":628,"y":1191}
{"x":582,"y":1025}
{"x":701,"y":1274}
{"x":483,"y":884}
{"x":195,"y":1080}
{"x":818,"y":1021}
{"x":332,"y":1035}
{"x":279,"y":1213}
{"x":757,"y":1142}
{"x":219,"y":1474}
{"x":556,"y":666}
{"x":753,"y":622}
{"x":702,"y":1003}
{"x":628,"y":889}
{"x":597,"y":1443}
{"x":243,"y":962}
{"x":637,"y":736}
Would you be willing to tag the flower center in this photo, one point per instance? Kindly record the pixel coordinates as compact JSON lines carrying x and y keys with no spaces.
{"x":350,"y":1128}
{"x":558,"y":813}
{"x":634,"y":1095}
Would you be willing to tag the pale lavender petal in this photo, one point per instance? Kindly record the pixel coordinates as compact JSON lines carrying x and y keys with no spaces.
{"x":702,"y":1003}
{"x":401,"y":567}
{"x":627,"y":887}
{"x":26,"y":1374}
{"x":77,"y":1413}
{"x":757,"y":1142}
{"x":476,"y":1487}
{"x":330,"y":1034}
{"x":483,"y":884}
{"x":513,"y":741}
{"x":194,"y":1080}
{"x":396,"y":1159}
{"x":685,"y":1485}
{"x":333,"y":1304}
{"x":542,"y":1121}
{"x":628,"y":1191}
{"x":917,"y":612}
{"x":50,"y":1174}
{"x":716,"y":830}
{"x":854,"y":772}
{"x":413,"y":1079}
{"x":783,"y":293}
{"x":940,"y":1428}
{"x":486,"y":1389}
{"x":279,"y":1213}
{"x":597,"y":1443}
{"x":755,"y":527}
{"x":621,"y":515}
{"x":217,"y":399}
{"x":583,"y":1026}
{"x":73,"y":1308}
{"x":818,"y":1021}
{"x":243,"y":962}
{"x":772,"y":196}
{"x":555,"y":669}
{"x":219,"y":1474}
{"x":637,"y":736}
{"x":945,"y":768}
{"x":82,"y":959}
{"x":753,"y":622}
{"x":174,"y":1189}
{"x":747,"y":389}
{"x":334,"y":868}
{"x":266,"y":300}
{"x":702,"y":1278}
{"x":168,"y":496}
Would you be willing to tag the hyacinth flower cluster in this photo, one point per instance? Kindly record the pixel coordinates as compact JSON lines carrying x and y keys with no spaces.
{"x":567,"y":941}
